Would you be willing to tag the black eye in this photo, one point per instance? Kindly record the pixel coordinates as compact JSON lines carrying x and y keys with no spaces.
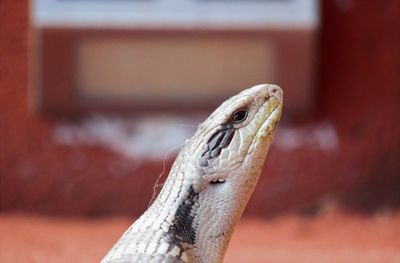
{"x":239,"y":116}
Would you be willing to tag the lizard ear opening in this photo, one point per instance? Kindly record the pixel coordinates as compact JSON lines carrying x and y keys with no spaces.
{"x":217,"y":181}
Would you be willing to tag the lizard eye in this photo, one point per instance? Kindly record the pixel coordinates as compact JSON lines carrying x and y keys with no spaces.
{"x":239,"y":115}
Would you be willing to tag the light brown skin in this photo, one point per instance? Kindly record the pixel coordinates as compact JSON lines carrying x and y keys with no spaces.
{"x":193,"y":217}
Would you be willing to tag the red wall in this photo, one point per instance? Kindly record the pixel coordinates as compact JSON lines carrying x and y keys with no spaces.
{"x":359,"y":91}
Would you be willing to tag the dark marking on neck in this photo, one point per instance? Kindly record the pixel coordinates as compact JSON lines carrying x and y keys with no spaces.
{"x":218,"y":141}
{"x":181,"y":231}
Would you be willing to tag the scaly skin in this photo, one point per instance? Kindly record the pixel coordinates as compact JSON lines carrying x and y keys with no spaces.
{"x":209,"y":184}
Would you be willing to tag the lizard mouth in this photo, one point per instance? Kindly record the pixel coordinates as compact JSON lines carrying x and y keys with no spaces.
{"x":266,"y":129}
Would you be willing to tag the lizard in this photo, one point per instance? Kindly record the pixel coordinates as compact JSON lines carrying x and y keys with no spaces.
{"x":209,"y":184}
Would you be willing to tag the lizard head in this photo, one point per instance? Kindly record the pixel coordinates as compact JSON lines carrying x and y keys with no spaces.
{"x":236,"y":136}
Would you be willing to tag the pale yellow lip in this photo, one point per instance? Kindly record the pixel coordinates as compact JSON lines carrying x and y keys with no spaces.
{"x":270,"y":121}
{"x":267,"y":128}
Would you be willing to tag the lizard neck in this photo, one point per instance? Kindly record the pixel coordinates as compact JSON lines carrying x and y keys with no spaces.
{"x":185,"y":223}
{"x":188,"y":217}
{"x":166,"y":228}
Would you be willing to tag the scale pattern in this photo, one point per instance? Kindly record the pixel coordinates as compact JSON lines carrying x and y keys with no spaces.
{"x":208,"y":187}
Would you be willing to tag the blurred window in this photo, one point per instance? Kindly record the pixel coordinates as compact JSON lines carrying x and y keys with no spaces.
{"x":127,"y":54}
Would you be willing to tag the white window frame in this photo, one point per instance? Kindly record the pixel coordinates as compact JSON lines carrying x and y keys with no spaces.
{"x":220,"y":14}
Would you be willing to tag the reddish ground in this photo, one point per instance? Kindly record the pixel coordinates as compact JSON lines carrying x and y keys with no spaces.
{"x":328,"y":238}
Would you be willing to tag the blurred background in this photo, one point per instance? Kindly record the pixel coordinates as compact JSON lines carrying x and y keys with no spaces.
{"x":93,"y":94}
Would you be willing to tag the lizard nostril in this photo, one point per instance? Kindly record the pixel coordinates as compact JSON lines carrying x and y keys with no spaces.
{"x":275,"y":92}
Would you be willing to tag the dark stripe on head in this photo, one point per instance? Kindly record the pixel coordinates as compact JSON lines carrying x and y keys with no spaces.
{"x":218,"y":141}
